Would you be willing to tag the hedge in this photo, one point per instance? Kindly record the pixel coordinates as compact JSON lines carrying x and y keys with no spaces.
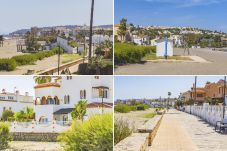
{"x":11,"y":64}
{"x":7,"y":64}
{"x":130,"y":53}
{"x":32,"y":58}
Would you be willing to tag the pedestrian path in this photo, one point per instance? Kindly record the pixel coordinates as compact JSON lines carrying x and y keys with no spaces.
{"x":180,"y":131}
{"x":171,"y":136}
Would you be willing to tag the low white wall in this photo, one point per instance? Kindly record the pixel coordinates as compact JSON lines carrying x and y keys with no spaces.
{"x":209,"y":113}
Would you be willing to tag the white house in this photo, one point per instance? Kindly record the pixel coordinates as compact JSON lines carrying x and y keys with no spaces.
{"x":14,"y":101}
{"x":164,"y":47}
{"x":67,"y":48}
{"x":55,"y":101}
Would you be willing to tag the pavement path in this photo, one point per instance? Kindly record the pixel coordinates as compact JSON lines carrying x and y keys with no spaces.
{"x":184,"y":132}
{"x":217,"y":65}
{"x":34,"y":146}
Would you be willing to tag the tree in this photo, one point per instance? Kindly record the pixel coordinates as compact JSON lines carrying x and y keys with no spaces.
{"x":1,"y":41}
{"x":5,"y":136}
{"x":80,"y":110}
{"x":7,"y":115}
{"x":42,"y":79}
{"x":122,"y":28}
{"x":25,"y":115}
{"x":31,"y":42}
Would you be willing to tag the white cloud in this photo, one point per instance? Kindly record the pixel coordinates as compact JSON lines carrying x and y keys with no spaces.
{"x":188,"y":3}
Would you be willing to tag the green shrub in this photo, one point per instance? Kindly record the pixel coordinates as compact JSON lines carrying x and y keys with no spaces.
{"x":7,"y":115}
{"x":142,"y":107}
{"x":7,"y":65}
{"x":5,"y":136}
{"x":32,"y":58}
{"x":121,"y":130}
{"x":129,"y":53}
{"x":122,"y":108}
{"x":96,"y":134}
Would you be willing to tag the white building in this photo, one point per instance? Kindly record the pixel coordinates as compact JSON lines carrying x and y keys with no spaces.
{"x":55,"y":101}
{"x":14,"y":101}
{"x":164,"y":48}
{"x":67,"y":48}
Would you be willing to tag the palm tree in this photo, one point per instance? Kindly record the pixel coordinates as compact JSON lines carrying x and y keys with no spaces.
{"x":80,"y":110}
{"x":123,"y":28}
{"x":42,"y":79}
{"x":1,"y":41}
{"x":29,"y":112}
{"x":91,"y":28}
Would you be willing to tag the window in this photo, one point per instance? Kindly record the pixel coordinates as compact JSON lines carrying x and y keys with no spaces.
{"x":103,"y":93}
{"x":2,"y":98}
{"x":82,"y":94}
{"x":69,"y":77}
{"x":199,"y":95}
{"x":10,"y":98}
{"x":66,"y":99}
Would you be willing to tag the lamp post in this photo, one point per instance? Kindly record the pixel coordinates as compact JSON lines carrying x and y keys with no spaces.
{"x":59,"y":53}
{"x":166,"y":47}
{"x":91,"y":29}
{"x":224,"y":103}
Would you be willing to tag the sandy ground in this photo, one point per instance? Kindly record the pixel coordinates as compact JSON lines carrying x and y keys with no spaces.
{"x":34,"y":146}
{"x":135,"y":118}
{"x":9,"y":49}
{"x":217,"y":65}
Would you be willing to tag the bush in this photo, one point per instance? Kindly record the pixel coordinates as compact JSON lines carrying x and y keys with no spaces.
{"x":122,"y":108}
{"x":129,"y":53}
{"x":32,"y":58}
{"x":121,"y":130}
{"x":7,"y":115}
{"x":5,"y":136}
{"x":95,"y":134}
{"x":7,"y":64}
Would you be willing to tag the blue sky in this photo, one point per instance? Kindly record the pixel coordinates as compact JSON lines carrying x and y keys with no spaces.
{"x":209,"y":14}
{"x":17,"y":14}
{"x":22,"y":83}
{"x":129,"y":87}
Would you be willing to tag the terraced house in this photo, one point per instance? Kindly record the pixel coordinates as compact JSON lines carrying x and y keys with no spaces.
{"x":211,"y":91}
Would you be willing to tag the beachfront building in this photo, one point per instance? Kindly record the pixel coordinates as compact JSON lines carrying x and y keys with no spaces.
{"x":63,"y":43}
{"x":14,"y":101}
{"x":164,"y":47}
{"x":55,"y":101}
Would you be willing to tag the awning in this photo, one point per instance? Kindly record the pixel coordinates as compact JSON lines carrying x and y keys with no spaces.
{"x":64,"y":111}
{"x":100,"y":87}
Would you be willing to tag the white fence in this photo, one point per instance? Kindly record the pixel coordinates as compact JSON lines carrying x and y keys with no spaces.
{"x":209,"y":113}
{"x":35,"y":127}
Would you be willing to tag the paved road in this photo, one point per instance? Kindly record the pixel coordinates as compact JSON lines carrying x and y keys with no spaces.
{"x":184,"y":132}
{"x":216,"y":67}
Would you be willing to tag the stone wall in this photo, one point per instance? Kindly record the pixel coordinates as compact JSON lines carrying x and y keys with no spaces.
{"x":141,"y":140}
{"x":47,"y":137}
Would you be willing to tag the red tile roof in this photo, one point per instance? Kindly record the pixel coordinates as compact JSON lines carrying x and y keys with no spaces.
{"x":44,"y":85}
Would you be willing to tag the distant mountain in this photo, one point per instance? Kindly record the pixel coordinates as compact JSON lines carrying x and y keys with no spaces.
{"x":24,"y":31}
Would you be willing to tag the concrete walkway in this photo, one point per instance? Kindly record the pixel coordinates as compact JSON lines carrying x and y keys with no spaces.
{"x":180,"y":131}
{"x":172,"y":136}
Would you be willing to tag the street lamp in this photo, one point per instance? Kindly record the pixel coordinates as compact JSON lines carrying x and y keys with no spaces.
{"x":59,"y":53}
{"x":224,"y":103}
{"x":91,"y":29}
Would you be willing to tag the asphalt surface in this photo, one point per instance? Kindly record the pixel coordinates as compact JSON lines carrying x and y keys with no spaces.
{"x":217,"y":65}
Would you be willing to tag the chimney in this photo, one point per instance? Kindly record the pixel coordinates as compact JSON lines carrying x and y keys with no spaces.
{"x":3,"y":91}
{"x":26,"y":94}
{"x":17,"y":92}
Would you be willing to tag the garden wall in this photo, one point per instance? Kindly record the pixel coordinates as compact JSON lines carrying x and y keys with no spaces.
{"x":209,"y":113}
{"x":47,"y":137}
{"x":141,"y":140}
